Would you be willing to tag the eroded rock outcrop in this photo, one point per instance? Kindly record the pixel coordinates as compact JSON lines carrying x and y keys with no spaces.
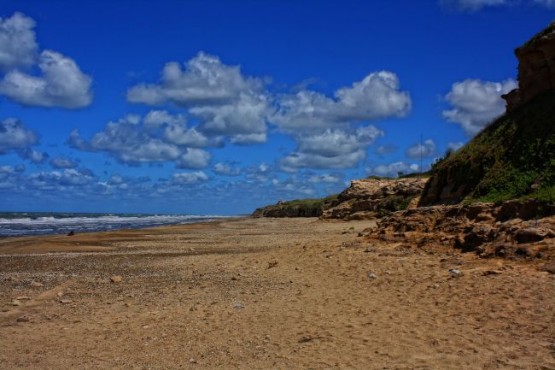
{"x":536,"y":68}
{"x":370,"y":198}
{"x":514,"y":228}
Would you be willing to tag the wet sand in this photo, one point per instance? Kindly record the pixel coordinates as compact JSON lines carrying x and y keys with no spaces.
{"x":266,"y":293}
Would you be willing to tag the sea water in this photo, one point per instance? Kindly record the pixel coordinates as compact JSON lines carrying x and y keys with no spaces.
{"x":41,"y":223}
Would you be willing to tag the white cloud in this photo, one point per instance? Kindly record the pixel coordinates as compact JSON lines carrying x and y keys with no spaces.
{"x":9,"y":177}
{"x":67,"y":177}
{"x":393,"y":169}
{"x":62,"y":84}
{"x":224,"y":100}
{"x":226,"y":169}
{"x":476,"y":103}
{"x":33,"y":155}
{"x":204,"y":81}
{"x":376,"y":96}
{"x":331,"y":149}
{"x":62,"y":162}
{"x":128,"y":142}
{"x":158,"y":137}
{"x":297,"y":160}
{"x":426,"y":149}
{"x":179,"y":134}
{"x":473,"y":5}
{"x":189,"y":178}
{"x":15,"y":136}
{"x":386,"y":149}
{"x":326,"y":178}
{"x":248,"y":139}
{"x":194,"y":159}
{"x":157,"y":118}
{"x":18,"y":47}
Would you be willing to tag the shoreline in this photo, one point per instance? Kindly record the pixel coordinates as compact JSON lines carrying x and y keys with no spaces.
{"x":267,"y":293}
{"x":61,"y":226}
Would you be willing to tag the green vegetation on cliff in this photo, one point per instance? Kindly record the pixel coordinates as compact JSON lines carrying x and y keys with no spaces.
{"x":297,"y":208}
{"x":512,"y":158}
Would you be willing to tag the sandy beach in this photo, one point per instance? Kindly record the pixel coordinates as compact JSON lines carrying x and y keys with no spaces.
{"x":267,"y":293}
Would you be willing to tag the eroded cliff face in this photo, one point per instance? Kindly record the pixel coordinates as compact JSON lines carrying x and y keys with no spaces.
{"x":511,"y":157}
{"x":370,"y":198}
{"x":536,"y":68}
{"x":514,"y":228}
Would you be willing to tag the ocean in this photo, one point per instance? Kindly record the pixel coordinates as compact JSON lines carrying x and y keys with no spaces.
{"x":44,"y":223}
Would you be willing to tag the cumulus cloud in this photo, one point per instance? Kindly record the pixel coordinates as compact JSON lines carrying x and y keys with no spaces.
{"x":226,"y":169}
{"x":476,"y":103}
{"x":158,"y":137}
{"x":473,"y":5}
{"x":376,"y":96}
{"x":61,"y":84}
{"x":67,"y":177}
{"x":325,"y":178}
{"x":331,"y":149}
{"x":393,"y":169}
{"x":189,"y":178}
{"x":224,"y":100}
{"x":62,"y":163}
{"x":426,"y":149}
{"x":33,"y":155}
{"x":15,"y":136}
{"x":18,"y":46}
{"x":205,"y":80}
{"x":194,"y":159}
{"x":386,"y":149}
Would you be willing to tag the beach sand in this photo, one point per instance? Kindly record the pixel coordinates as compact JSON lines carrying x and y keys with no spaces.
{"x":266,"y":293}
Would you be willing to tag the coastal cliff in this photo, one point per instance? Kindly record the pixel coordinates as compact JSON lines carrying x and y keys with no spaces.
{"x":364,"y":199}
{"x":536,"y":68}
{"x":375,"y":197}
{"x":296,"y":208}
{"x":514,"y":156}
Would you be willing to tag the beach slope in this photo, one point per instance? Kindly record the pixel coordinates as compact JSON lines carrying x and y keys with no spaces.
{"x":267,"y":293}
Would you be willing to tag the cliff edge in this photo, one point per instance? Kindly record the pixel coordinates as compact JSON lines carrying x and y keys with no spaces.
{"x":514,"y":157}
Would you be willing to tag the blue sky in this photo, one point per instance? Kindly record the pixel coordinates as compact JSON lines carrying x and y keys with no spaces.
{"x":218,"y":107}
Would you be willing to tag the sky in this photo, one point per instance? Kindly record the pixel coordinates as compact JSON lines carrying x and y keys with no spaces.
{"x":219,"y":106}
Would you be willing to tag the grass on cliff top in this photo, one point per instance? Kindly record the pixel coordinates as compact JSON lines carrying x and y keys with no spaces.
{"x":310,"y":202}
{"x":512,"y":158}
{"x":401,"y":175}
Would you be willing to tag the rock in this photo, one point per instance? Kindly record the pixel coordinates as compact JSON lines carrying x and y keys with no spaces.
{"x":530,"y":235}
{"x":490,"y":272}
{"x":16,"y":302}
{"x":549,"y":267}
{"x":238,"y":306}
{"x":524,"y":252}
{"x":371,"y":275}
{"x":536,"y":68}
{"x":22,"y":319}
{"x":306,"y":339}
{"x":455,"y":273}
{"x":370,"y":198}
{"x":23,"y":298}
{"x":36,"y":284}
{"x":116,"y":279}
{"x":272,"y":264}
{"x":65,"y":301}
